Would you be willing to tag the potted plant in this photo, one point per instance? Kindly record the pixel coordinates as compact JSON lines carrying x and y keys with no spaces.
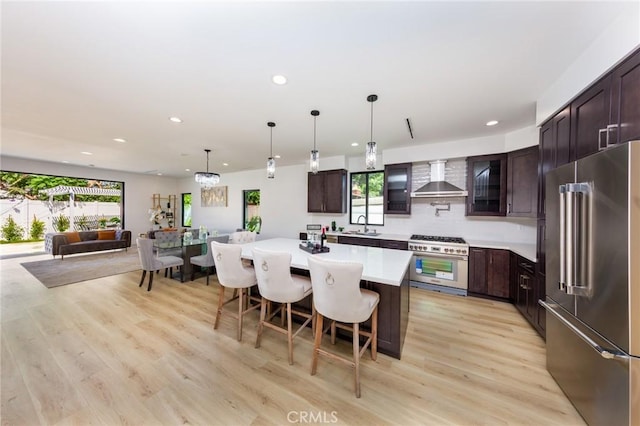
{"x":82,"y":223}
{"x":60,"y":223}
{"x":115,"y":221}
{"x":102,"y":223}
{"x":254,"y":224}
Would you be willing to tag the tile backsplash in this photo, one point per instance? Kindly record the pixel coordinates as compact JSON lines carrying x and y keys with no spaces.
{"x":455,"y":172}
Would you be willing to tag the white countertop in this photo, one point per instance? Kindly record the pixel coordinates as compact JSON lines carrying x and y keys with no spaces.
{"x":384,"y":266}
{"x":528,"y":251}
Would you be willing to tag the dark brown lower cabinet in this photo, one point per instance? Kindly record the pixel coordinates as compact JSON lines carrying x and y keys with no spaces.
{"x":393,"y":313}
{"x":358,"y":241}
{"x":489,"y":272}
{"x":529,"y":288}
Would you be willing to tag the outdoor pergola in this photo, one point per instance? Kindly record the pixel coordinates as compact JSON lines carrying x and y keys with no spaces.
{"x":72,"y":191}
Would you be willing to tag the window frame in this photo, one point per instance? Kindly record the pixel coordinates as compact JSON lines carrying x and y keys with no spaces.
{"x":366,"y":196}
{"x":182,"y":215}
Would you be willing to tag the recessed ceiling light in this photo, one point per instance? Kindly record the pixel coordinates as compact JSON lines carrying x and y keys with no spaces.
{"x":354,"y":144}
{"x":492,"y":122}
{"x":187,"y":170}
{"x":279,"y":79}
{"x":159,"y":174}
{"x":65,"y":161}
{"x":175,"y":119}
{"x":225,"y":164}
{"x":86,"y":153}
{"x":120,"y":140}
{"x":277,"y":156}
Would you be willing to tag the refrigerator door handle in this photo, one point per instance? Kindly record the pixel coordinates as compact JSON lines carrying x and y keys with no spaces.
{"x":574,"y":260}
{"x":604,"y":353}
{"x":562,"y":284}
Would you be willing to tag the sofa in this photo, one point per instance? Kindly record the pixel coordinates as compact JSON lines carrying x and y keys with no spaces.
{"x":61,"y":243}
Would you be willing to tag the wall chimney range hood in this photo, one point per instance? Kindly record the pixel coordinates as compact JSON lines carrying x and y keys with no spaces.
{"x":438,"y":187}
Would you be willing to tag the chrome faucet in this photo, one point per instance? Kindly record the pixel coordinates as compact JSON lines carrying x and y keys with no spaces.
{"x":365,"y":222}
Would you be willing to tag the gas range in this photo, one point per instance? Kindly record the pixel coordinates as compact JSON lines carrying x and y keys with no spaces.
{"x":438,"y":245}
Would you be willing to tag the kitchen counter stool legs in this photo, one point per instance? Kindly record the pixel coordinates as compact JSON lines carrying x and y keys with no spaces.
{"x":233,"y":274}
{"x":337,"y":296}
{"x":276,"y":284}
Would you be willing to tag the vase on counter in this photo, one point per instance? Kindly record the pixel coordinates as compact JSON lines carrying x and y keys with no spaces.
{"x":187,"y":237}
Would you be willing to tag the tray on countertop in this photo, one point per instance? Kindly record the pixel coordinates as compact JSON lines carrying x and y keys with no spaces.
{"x":314,"y":250}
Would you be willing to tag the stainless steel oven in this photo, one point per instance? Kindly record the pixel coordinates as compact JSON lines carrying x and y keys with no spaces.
{"x":439,"y":263}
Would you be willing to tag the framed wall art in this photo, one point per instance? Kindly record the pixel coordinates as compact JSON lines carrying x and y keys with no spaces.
{"x":214,"y":197}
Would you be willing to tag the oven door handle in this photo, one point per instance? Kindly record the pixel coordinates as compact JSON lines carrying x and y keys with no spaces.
{"x":441,"y":255}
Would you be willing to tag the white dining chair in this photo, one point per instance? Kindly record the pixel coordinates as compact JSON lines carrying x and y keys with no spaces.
{"x":206,"y":260}
{"x":151,"y":263}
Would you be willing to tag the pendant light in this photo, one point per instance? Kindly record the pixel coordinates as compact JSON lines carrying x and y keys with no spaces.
{"x":271,"y":162}
{"x":314,"y":161}
{"x":370,"y":155}
{"x":207,"y":179}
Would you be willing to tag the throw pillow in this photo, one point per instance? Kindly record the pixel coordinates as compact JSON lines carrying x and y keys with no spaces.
{"x":106,"y":235}
{"x":72,"y":237}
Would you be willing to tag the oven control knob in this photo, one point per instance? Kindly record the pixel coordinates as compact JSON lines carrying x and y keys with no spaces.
{"x":458,"y":251}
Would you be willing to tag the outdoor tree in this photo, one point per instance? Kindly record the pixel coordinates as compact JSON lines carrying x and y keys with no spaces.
{"x":28,"y":186}
{"x":11,"y":231}
{"x":36,"y":232}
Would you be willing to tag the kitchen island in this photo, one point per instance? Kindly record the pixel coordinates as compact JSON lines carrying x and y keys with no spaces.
{"x":385,"y":271}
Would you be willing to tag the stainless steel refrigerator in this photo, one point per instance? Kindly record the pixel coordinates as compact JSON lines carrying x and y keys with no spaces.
{"x":593,"y":283}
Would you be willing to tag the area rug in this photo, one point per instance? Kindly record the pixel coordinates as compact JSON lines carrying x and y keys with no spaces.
{"x":77,"y":268}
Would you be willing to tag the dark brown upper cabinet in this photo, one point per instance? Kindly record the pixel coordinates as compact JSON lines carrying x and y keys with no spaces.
{"x":487,"y":183}
{"x":625,"y":101}
{"x":327,"y":192}
{"x":522,"y":182}
{"x":397,"y":188}
{"x":589,"y":120}
{"x":555,"y":142}
{"x":608,"y":112}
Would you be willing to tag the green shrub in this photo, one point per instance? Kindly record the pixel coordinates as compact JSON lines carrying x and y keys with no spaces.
{"x":11,"y":231}
{"x":37,"y":229}
{"x":60,"y":223}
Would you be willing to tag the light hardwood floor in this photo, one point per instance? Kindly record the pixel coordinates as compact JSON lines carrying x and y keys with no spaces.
{"x":108,"y":352}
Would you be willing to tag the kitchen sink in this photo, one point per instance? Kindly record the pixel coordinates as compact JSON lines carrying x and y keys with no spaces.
{"x":370,"y":234}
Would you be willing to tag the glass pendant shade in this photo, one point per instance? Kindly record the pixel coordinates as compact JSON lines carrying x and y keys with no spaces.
{"x":370,"y":156}
{"x":207,"y":180}
{"x":370,"y":153}
{"x":271,"y":168}
{"x":271,"y":162}
{"x":314,"y":161}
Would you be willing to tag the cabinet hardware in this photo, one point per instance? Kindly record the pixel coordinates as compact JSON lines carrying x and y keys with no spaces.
{"x":600,"y":132}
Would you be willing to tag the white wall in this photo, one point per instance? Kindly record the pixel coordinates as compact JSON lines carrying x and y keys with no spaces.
{"x":139,"y":188}
{"x":615,"y":42}
{"x":283,"y":201}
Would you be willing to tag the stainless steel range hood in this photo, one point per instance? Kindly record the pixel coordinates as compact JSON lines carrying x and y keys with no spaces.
{"x":438,"y":187}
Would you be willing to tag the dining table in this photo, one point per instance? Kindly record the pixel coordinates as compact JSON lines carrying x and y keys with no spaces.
{"x":188,"y":249}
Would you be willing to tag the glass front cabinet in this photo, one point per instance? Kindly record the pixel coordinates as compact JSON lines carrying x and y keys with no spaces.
{"x":487,"y":183}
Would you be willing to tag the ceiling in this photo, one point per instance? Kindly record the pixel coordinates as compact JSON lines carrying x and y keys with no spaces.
{"x":76,"y":75}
